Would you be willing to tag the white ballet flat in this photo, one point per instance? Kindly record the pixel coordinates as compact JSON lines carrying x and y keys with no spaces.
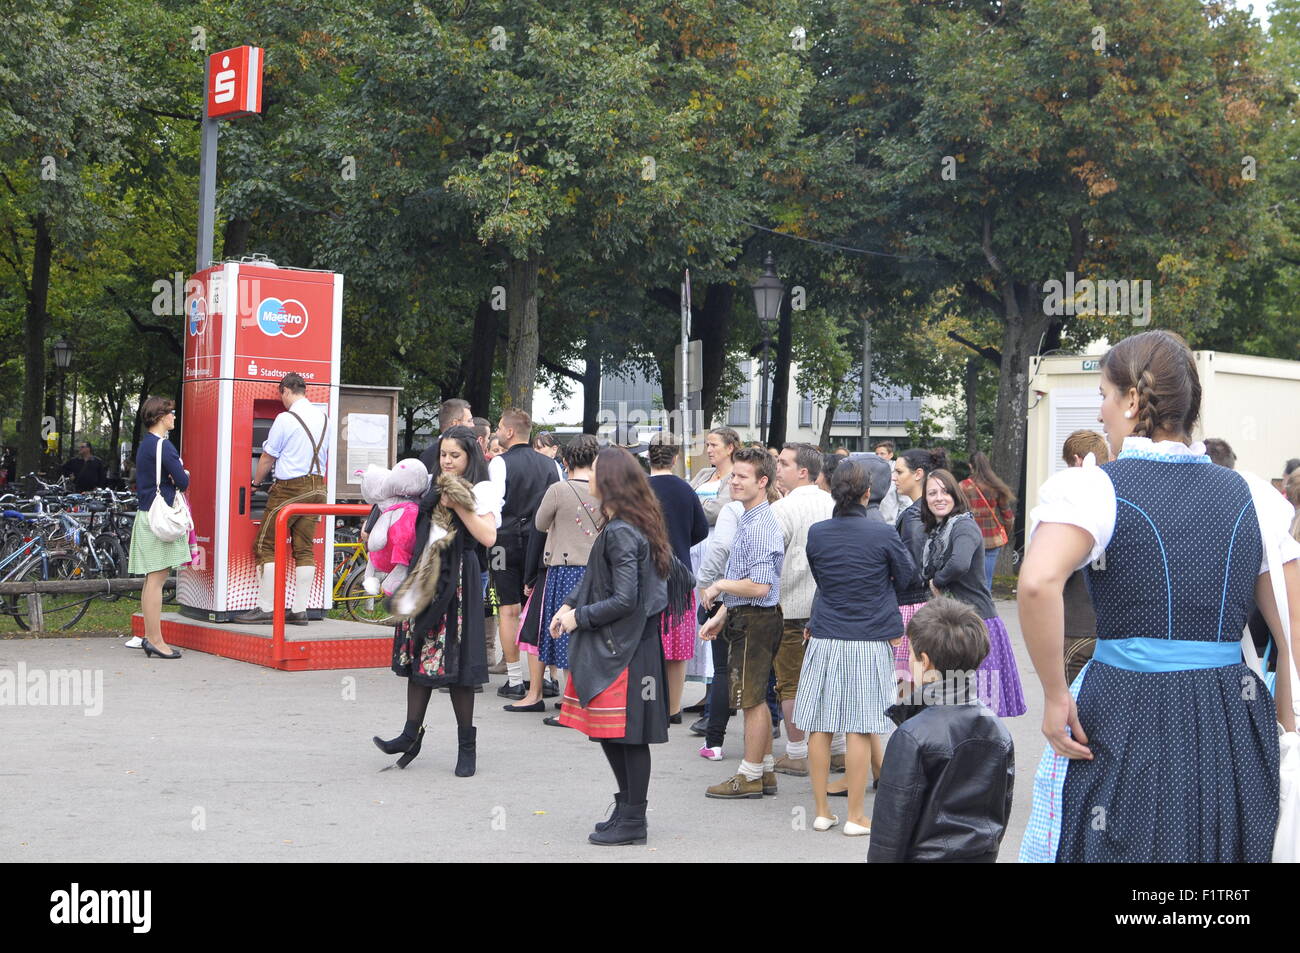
{"x":825,"y":823}
{"x":855,"y":830}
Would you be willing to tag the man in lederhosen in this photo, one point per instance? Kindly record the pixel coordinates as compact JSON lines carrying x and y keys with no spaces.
{"x":297,"y":447}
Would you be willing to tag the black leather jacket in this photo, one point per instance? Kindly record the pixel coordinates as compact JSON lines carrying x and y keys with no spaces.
{"x":945,"y":788}
{"x":620,"y":590}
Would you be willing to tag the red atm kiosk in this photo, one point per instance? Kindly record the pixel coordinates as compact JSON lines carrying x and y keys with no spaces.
{"x":247,"y":325}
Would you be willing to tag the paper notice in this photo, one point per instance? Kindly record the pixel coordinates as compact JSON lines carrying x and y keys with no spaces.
{"x":367,"y":437}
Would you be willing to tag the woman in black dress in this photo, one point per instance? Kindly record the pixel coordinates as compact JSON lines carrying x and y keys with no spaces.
{"x":440,"y":639}
{"x":617,"y":687}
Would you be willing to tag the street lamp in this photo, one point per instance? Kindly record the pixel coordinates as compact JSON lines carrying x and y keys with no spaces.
{"x":62,"y":360}
{"x":768,"y":292}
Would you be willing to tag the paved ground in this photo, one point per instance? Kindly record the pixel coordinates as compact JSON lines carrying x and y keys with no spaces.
{"x":208,"y":759}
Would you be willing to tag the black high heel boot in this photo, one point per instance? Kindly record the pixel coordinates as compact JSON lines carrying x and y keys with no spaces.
{"x":406,"y":744}
{"x":467,"y":752}
{"x":630,"y":828}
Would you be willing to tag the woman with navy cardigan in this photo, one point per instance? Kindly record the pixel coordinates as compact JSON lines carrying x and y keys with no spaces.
{"x":150,"y":556}
{"x":847,"y":680}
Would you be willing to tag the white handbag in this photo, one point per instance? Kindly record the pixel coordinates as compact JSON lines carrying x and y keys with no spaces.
{"x":168,"y":523}
{"x":1286,"y":843}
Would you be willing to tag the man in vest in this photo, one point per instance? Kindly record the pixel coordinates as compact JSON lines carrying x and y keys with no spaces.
{"x":524,"y":474}
{"x":297,"y":447}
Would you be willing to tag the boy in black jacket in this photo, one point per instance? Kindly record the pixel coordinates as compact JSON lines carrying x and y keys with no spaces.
{"x":945,"y":788}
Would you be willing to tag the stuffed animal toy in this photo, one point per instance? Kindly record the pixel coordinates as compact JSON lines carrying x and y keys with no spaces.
{"x":397,"y":493}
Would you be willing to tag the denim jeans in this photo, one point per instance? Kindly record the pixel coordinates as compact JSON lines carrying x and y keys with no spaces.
{"x":990,"y":557}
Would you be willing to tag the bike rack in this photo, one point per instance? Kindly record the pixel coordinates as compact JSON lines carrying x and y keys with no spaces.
{"x":282,"y":517}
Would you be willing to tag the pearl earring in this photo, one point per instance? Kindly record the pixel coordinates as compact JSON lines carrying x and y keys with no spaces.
{"x":1128,"y":413}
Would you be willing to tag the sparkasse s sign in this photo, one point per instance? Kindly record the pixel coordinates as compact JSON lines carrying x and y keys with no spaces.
{"x":235,"y":82}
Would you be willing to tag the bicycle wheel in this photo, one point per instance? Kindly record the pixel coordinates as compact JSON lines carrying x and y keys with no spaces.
{"x":62,"y":610}
{"x":113,"y":560}
{"x":361,"y":605}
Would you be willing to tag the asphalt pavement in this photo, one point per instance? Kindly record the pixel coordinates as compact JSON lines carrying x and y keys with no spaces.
{"x":208,"y":759}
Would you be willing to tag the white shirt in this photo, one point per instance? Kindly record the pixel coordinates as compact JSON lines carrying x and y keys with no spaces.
{"x":1085,"y":497}
{"x":718,"y":545}
{"x":497,"y":473}
{"x":795,"y":512}
{"x":288,"y":442}
{"x":488,"y":498}
{"x":892,"y":504}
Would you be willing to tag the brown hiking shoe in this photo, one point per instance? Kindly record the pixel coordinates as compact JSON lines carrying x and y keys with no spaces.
{"x":798,"y":767}
{"x":769,"y":782}
{"x":837,"y":763}
{"x":736,"y":786}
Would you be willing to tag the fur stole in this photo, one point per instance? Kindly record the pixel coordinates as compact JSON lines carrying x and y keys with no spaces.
{"x":433,"y":574}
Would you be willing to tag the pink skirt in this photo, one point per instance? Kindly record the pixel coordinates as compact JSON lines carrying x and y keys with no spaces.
{"x":523,"y":614}
{"x":903,"y":651}
{"x":678,"y":633}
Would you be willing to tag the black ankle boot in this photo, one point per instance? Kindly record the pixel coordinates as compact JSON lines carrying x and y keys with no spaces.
{"x":407,"y":744}
{"x":619,"y":798}
{"x":466,"y":752}
{"x":630,"y":828}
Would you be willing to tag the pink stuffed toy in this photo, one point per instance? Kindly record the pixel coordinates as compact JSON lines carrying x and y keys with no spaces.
{"x":391,"y":541}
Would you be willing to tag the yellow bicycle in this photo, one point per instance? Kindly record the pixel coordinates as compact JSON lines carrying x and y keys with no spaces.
{"x":350,"y":599}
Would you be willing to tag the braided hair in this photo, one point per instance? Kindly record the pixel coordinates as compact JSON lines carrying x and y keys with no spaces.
{"x":1162,"y":369}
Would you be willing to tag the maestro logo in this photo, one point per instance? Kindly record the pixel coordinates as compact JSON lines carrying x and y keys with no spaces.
{"x":198,"y":315}
{"x":286,"y":318}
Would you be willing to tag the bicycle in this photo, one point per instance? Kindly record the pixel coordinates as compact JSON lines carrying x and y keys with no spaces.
{"x":34,"y":562}
{"x":350,"y":595}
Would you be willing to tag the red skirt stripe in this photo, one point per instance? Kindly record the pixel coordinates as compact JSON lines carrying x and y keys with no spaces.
{"x":605,"y":717}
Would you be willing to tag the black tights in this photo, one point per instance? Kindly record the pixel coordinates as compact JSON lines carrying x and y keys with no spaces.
{"x":417,"y":703}
{"x":631,"y":765}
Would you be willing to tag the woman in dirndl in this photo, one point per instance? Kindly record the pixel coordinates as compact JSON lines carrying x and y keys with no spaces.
{"x":687,"y":525}
{"x":615,"y":692}
{"x":1164,"y":749}
{"x":953,"y":565}
{"x":150,"y":556}
{"x":570,"y":519}
{"x":439,"y":639}
{"x":847,"y":679}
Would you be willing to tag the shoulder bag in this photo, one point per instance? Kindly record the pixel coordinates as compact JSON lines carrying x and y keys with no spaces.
{"x":168,"y":523}
{"x":992,"y":512}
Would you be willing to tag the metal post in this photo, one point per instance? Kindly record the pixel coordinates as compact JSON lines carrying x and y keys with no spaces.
{"x":866,"y":383}
{"x":686,"y":374}
{"x":207,"y":177}
{"x":62,"y":400}
{"x":72,"y":430}
{"x":762,"y":406}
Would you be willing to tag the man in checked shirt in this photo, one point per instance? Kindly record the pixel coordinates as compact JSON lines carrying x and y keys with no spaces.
{"x":750,"y":620}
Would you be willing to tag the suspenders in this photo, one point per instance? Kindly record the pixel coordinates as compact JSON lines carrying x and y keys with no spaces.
{"x":316,"y":468}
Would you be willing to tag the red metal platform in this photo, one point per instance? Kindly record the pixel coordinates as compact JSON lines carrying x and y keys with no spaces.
{"x":326,"y":643}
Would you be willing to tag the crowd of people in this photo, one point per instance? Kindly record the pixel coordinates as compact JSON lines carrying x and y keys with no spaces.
{"x":848,"y":598}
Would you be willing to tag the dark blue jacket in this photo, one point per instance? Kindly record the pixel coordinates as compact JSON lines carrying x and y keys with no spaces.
{"x":173,"y":474}
{"x":860,"y":566}
{"x":683,"y":514}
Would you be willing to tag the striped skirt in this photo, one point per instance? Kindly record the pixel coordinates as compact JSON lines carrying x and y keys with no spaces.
{"x":845,"y":686}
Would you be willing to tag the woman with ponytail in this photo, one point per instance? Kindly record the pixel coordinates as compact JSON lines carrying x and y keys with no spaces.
{"x":1166,"y":735}
{"x":847,"y":681}
{"x":990,"y":504}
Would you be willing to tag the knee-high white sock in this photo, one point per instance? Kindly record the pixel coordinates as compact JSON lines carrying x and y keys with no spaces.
{"x":838,"y":745}
{"x":304,"y":576}
{"x":796,"y":750}
{"x":266,"y":587}
{"x":515,"y":673}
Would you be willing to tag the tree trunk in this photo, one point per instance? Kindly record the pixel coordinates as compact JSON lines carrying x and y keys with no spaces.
{"x":521,"y":351}
{"x":972,"y":404}
{"x":29,"y":446}
{"x":146,"y":384}
{"x":408,"y":435}
{"x":776,"y":424}
{"x":591,"y":387}
{"x":1025,"y":324}
{"x":481,"y":360}
{"x":832,"y":407}
{"x":709,"y":326}
{"x":234,"y":242}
